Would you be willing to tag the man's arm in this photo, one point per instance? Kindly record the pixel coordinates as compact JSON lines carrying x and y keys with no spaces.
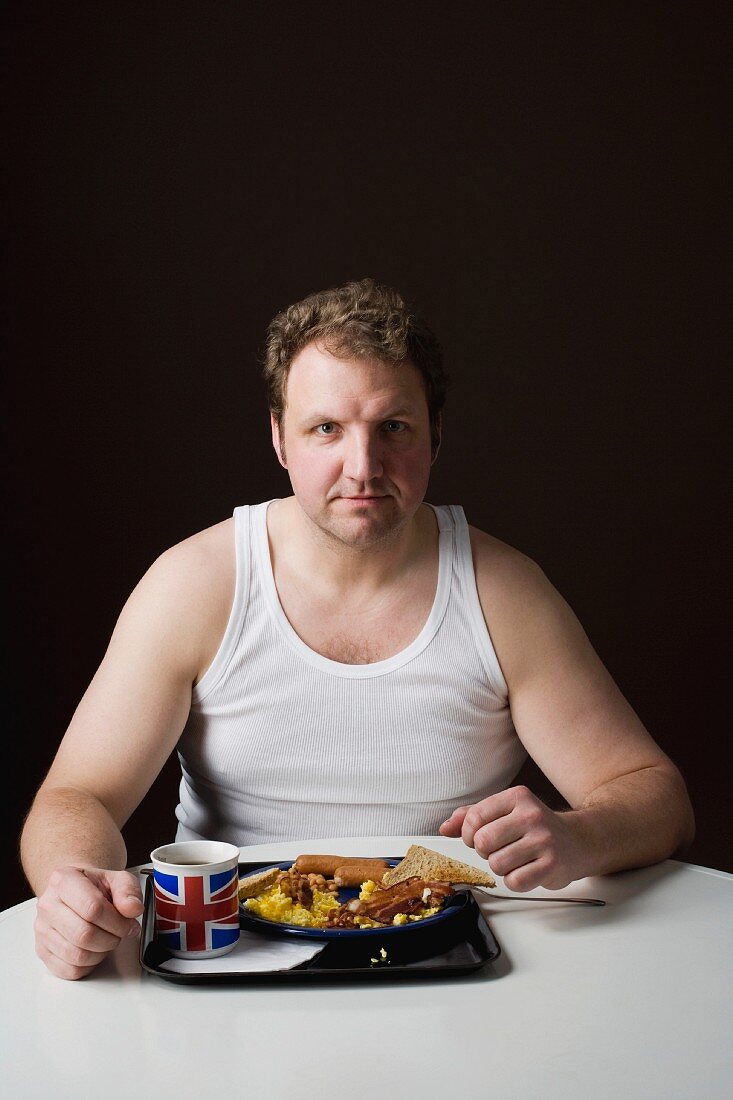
{"x":629,"y":804}
{"x":123,"y":731}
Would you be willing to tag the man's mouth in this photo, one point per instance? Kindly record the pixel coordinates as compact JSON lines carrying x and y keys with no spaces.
{"x":364,"y":499}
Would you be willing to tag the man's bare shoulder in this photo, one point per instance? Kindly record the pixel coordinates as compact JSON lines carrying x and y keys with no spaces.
{"x":523,"y":611}
{"x":202,"y":559}
{"x":186,"y":595}
{"x":501,"y":569}
{"x":199,"y":567}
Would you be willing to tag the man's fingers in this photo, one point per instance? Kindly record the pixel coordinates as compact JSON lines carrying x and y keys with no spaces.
{"x":82,"y":916}
{"x":481,"y":814}
{"x":526,"y":877}
{"x":524,"y":841}
{"x":512,"y":856}
{"x":494,"y":808}
{"x":126,"y":893}
{"x":72,"y":954}
{"x":85,"y":898}
{"x":452,"y":825}
{"x":60,"y":967}
{"x":488,"y":840}
{"x":80,"y":933}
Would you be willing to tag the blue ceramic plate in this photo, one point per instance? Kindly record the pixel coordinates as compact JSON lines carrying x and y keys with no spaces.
{"x":452,"y":905}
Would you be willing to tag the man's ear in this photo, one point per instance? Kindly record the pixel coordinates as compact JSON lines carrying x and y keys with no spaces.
{"x":277,"y":441}
{"x":439,"y":434}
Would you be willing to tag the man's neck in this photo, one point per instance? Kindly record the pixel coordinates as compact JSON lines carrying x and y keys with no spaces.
{"x":301,"y":546}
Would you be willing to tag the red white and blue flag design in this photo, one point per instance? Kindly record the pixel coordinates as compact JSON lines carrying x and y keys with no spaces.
{"x":196,"y":912}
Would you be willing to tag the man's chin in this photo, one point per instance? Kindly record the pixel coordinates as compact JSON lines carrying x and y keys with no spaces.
{"x":363,"y":526}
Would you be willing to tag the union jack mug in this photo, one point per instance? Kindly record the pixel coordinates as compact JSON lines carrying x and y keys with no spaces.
{"x":196,"y":897}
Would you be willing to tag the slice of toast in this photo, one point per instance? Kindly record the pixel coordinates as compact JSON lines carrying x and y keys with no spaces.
{"x":254,"y":884}
{"x":423,"y":863}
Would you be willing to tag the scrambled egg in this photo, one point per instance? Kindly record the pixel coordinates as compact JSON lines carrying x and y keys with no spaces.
{"x":272,"y":904}
{"x":382,"y":959}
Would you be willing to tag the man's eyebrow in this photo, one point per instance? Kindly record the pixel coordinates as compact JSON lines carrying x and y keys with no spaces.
{"x":327,"y":418}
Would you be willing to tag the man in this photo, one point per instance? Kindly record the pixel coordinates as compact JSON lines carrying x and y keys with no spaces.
{"x":348,"y":660}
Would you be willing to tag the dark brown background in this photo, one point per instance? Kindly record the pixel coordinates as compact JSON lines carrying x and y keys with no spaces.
{"x":545,"y":182}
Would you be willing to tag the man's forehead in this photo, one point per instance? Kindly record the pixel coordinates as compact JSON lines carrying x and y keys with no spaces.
{"x":319,"y":378}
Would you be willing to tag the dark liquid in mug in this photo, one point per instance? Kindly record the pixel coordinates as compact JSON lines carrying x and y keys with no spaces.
{"x":190,"y":862}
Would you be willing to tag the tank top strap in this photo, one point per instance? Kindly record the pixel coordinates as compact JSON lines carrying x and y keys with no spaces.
{"x":243,"y":552}
{"x":467,"y":575}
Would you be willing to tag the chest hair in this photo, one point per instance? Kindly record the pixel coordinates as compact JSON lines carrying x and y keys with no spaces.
{"x":362,"y":639}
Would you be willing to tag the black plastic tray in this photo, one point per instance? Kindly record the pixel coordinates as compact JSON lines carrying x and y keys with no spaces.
{"x":452,"y":948}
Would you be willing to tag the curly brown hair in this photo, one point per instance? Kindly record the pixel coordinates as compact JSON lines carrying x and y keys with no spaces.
{"x":359,"y":320}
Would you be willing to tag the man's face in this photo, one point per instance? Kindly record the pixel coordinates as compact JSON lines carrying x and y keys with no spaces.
{"x":356,"y":443}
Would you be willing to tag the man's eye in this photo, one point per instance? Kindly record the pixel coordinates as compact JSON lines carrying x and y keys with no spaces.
{"x":394,"y":426}
{"x":326,"y":429}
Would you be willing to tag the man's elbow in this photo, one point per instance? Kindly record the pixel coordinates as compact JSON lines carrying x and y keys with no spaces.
{"x":687,"y":829}
{"x":684,"y":813}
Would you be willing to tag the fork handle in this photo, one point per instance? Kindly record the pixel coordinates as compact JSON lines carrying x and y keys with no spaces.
{"x":521,"y":897}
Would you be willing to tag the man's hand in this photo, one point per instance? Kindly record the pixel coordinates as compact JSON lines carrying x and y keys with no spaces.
{"x":526,"y":843}
{"x":82,"y":915}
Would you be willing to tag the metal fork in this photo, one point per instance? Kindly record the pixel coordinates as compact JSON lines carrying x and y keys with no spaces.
{"x":488,"y":892}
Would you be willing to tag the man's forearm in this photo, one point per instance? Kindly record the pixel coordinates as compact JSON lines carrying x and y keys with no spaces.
{"x":633,"y":821}
{"x":68,"y":826}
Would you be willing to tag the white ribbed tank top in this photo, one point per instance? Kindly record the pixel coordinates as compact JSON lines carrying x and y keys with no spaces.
{"x":282,"y":743}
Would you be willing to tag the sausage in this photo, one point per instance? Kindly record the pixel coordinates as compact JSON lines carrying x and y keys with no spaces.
{"x":327,"y":865}
{"x":318,"y":865}
{"x":355,"y":872}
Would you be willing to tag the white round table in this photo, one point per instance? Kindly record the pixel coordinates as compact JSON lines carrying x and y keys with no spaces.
{"x":630,"y":1000}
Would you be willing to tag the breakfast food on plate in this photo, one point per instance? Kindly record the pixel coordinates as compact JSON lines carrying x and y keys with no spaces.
{"x":311,"y":906}
{"x":328,"y":865}
{"x":423,"y":863}
{"x":305,"y":894}
{"x":407,"y":901}
{"x":320,"y":865}
{"x":353,"y":873}
{"x":294,"y":898}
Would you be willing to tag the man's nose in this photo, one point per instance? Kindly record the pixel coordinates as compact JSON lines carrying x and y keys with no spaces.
{"x":363,"y":461}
